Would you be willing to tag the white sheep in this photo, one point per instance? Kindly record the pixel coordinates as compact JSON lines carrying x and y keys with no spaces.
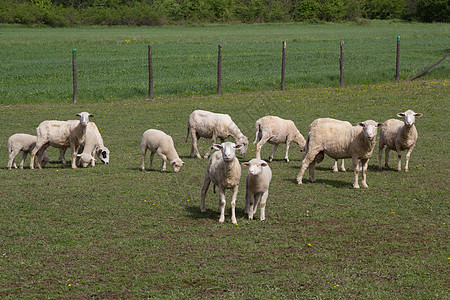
{"x":162,"y":144}
{"x":337,"y":140}
{"x":212,"y":125}
{"x":224,"y":171}
{"x":399,"y":136}
{"x":25,"y":143}
{"x":96,"y":146}
{"x":257,"y":184}
{"x":275,"y":131}
{"x":61,"y":134}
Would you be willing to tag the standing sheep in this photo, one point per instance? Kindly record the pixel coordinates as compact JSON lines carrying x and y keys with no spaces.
{"x":275,"y":131}
{"x":224,"y":171}
{"x":22,"y":142}
{"x":162,"y":144}
{"x":61,"y":134}
{"x":257,"y":187}
{"x":337,"y":140}
{"x":399,"y":136}
{"x":212,"y":125}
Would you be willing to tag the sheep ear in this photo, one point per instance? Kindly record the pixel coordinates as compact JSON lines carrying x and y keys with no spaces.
{"x":77,"y":115}
{"x":217,"y":146}
{"x":264,"y":164}
{"x":182,"y":162}
{"x":380,"y":124}
{"x":238,"y":146}
{"x":91,"y":116}
{"x":418,"y":115}
{"x":361,"y":124}
{"x":247,"y":164}
{"x":401,"y":115}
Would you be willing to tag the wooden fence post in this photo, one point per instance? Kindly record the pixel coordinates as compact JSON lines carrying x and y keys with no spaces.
{"x":283,"y":65}
{"x":341,"y":65}
{"x":397,"y":64}
{"x":74,"y":71}
{"x":150,"y":72}
{"x":219,"y":71}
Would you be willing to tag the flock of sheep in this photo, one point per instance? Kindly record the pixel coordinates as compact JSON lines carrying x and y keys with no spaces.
{"x":337,"y":139}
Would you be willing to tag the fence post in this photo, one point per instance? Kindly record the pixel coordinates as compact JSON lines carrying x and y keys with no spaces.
{"x":219,"y":71}
{"x":397,"y":64}
{"x":283,"y":65}
{"x":341,"y":64}
{"x":74,"y":71}
{"x":150,"y":72}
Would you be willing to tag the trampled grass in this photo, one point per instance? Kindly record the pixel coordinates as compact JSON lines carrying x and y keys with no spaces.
{"x":115,"y":232}
{"x":112,"y":61}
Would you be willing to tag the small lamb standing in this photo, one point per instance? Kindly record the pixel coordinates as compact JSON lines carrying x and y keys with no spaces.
{"x":399,"y":136}
{"x":22,"y":142}
{"x":337,"y":140}
{"x":275,"y":131}
{"x":257,"y":187}
{"x":61,"y":134}
{"x":224,"y":171}
{"x":162,"y":144}
{"x":206,"y":124}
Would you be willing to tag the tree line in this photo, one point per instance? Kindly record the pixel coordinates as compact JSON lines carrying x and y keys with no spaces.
{"x":162,"y":12}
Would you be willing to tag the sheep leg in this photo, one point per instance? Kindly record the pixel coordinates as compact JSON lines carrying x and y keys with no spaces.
{"x":205,"y":187}
{"x":309,"y":157}
{"x":164,"y":160}
{"x":312,"y":168}
{"x":12,"y":156}
{"x":380,"y":156}
{"x":259,"y":145}
{"x":399,"y":155}
{"x":22,"y":162}
{"x":264,"y":197}
{"x":222,"y":204}
{"x":335,"y":167}
{"x":143,"y":153}
{"x":275,"y":148}
{"x":251,"y":202}
{"x":152,"y":154}
{"x":386,"y":158}
{"x":247,"y":202}
{"x":355,"y":162}
{"x":33,"y":154}
{"x":213,"y":140}
{"x":286,"y":156}
{"x":62,"y":152}
{"x":74,"y":150}
{"x":408,"y":155}
{"x":233,"y":204}
{"x":194,"y":147}
{"x":343,"y":166}
{"x":364,"y":164}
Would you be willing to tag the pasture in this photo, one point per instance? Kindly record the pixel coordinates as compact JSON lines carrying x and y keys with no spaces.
{"x":115,"y":232}
{"x":112,"y":62}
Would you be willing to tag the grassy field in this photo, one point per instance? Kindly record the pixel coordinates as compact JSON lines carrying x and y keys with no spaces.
{"x":115,"y":232}
{"x":112,"y":61}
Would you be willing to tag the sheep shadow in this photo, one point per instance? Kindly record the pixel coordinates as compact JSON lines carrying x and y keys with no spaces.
{"x":330,"y":182}
{"x":212,"y":214}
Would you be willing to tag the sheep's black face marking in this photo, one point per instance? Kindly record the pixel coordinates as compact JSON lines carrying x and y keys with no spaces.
{"x":104,"y":154}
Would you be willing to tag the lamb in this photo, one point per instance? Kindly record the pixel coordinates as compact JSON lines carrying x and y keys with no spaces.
{"x":257,"y":187}
{"x":224,"y":171}
{"x":337,"y":140}
{"x":61,"y":134}
{"x":275,"y":131}
{"x":212,"y":125}
{"x":25,"y":143}
{"x":399,"y":136}
{"x":161,"y":143}
{"x":95,"y":146}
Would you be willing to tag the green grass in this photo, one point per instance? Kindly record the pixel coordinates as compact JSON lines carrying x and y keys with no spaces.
{"x":115,"y":232}
{"x":112,"y":61}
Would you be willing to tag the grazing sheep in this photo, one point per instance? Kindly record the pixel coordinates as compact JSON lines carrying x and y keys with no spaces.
{"x":257,"y":187}
{"x":224,"y":171}
{"x":61,"y":134}
{"x":275,"y":131}
{"x":95,"y":144}
{"x":212,"y":125}
{"x":25,"y":143}
{"x":337,"y":140}
{"x":162,"y":144}
{"x":399,"y":136}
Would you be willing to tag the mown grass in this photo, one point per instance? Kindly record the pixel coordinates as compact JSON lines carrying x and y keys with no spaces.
{"x":112,"y":61}
{"x":115,"y":232}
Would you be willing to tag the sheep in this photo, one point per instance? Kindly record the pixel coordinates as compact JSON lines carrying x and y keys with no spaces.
{"x":224,"y":171}
{"x":257,"y":187}
{"x":162,"y":144}
{"x":337,"y":140}
{"x":399,"y":136}
{"x":275,"y":131}
{"x":212,"y":125}
{"x":61,"y":134}
{"x":96,"y":145}
{"x":25,"y":143}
